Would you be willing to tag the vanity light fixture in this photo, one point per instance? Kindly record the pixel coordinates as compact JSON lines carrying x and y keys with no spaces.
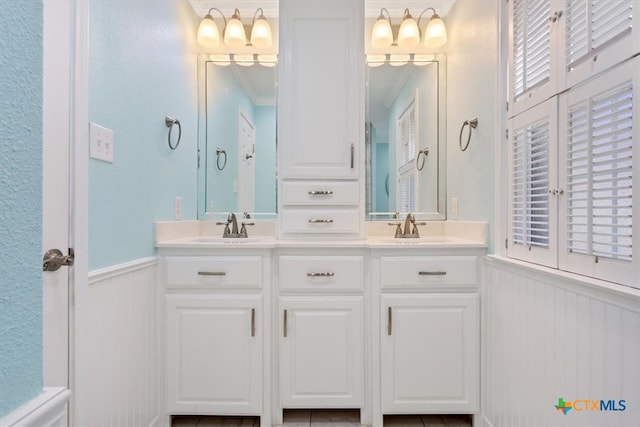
{"x":435,"y":34}
{"x":234,"y":34}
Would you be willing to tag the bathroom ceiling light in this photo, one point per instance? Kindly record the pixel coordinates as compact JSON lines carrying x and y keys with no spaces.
{"x":208,"y":34}
{"x":234,"y":35}
{"x":409,"y":33}
{"x":435,"y":35}
{"x":382,"y":35}
{"x":261,"y":31}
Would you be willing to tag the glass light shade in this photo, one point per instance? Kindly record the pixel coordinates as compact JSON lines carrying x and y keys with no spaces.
{"x":267,"y":60}
{"x":221,"y":60}
{"x":376,"y":60}
{"x":422,"y":59}
{"x":234,"y":35}
{"x":399,"y":60}
{"x":245,"y":60}
{"x":261,"y":33}
{"x":409,"y":33}
{"x":208,"y":35}
{"x":436,"y":33}
{"x":381,"y":34}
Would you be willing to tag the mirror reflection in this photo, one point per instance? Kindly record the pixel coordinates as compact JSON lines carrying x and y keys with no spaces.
{"x":405,"y":140}
{"x":239,"y":135}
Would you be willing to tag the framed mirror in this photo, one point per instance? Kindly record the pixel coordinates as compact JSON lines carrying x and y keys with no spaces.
{"x":405,"y":140}
{"x":237,"y":139}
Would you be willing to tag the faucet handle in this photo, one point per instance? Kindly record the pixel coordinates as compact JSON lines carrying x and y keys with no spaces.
{"x":398,"y":226}
{"x":415,"y":227}
{"x":226,"y":231}
{"x":243,"y":229}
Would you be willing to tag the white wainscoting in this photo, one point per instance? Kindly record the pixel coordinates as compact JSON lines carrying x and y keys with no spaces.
{"x":547,"y":336}
{"x":46,"y":410}
{"x":118,"y":378}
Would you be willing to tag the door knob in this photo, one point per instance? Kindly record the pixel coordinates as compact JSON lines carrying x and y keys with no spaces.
{"x":53,"y":259}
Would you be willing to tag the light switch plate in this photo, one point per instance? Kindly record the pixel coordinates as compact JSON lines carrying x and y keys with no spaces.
{"x":100,"y":143}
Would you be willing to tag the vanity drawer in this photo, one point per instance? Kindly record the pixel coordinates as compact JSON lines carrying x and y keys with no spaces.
{"x":427,"y":271}
{"x":214,"y":271}
{"x":320,"y":273}
{"x":320,"y":193}
{"x":341,"y":221}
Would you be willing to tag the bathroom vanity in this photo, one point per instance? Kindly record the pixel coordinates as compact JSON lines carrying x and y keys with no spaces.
{"x":258,"y":325}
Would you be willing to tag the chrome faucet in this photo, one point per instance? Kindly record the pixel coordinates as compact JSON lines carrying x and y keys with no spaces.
{"x":233,"y":231}
{"x":410,"y":228}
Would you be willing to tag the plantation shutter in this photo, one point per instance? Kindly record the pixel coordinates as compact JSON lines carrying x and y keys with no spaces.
{"x":598,"y":167}
{"x":531,"y":53}
{"x":533,"y":215}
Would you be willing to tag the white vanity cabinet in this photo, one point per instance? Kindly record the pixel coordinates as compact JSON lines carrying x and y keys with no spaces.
{"x":320,"y":115}
{"x":321,"y":328}
{"x":428,"y":320}
{"x":215,"y":324}
{"x":320,"y":89}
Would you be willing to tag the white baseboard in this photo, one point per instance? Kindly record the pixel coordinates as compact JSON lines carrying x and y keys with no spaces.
{"x":48,"y":409}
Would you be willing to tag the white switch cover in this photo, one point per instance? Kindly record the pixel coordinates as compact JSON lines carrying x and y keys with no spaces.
{"x":177,"y":214}
{"x":101,"y":143}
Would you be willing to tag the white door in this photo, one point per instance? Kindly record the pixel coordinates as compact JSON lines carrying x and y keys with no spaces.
{"x":247,"y":163}
{"x":321,"y":352}
{"x":55,"y":209}
{"x":65,"y":194}
{"x":214,"y":354}
{"x":430,"y":353}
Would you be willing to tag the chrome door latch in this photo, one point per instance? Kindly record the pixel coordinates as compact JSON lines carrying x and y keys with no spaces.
{"x":53,"y":259}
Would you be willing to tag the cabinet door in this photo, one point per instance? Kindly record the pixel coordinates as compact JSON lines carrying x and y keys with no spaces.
{"x":214,"y":357}
{"x":430,"y":353}
{"x":321,"y":352}
{"x":320,"y":89}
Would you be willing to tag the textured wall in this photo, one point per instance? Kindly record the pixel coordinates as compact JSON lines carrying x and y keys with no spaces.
{"x":142,"y":67}
{"x":20,"y":202}
{"x":472,"y":85}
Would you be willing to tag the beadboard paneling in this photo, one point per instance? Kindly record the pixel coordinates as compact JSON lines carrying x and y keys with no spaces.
{"x":547,"y":337}
{"x":119,"y":375}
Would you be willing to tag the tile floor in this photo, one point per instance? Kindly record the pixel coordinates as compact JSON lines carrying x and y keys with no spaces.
{"x":325,"y":418}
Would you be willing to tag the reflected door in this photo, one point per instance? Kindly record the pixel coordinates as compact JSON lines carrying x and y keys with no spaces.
{"x":246,"y":168}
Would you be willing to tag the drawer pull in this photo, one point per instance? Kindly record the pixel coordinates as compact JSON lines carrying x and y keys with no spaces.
{"x":284,"y":324}
{"x":320,"y":221}
{"x":432,"y":273}
{"x":211,"y":273}
{"x":328,"y":274}
{"x":389,"y":321}
{"x":253,"y":322}
{"x":320,"y":193}
{"x":352,"y":154}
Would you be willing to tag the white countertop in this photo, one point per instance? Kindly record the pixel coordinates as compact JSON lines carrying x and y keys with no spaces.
{"x":439,"y":234}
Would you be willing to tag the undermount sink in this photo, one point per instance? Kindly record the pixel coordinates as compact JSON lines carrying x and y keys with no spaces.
{"x":229,"y":240}
{"x":416,"y":241}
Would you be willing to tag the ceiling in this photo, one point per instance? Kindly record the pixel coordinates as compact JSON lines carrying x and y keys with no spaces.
{"x":372,"y":7}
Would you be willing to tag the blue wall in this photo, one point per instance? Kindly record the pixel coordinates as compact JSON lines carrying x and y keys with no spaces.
{"x":20,"y":202}
{"x":142,"y":68}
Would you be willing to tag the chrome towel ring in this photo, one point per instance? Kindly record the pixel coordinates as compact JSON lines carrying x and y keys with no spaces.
{"x":473,"y":123}
{"x":170,"y":122}
{"x":220,"y":151}
{"x":424,"y":153}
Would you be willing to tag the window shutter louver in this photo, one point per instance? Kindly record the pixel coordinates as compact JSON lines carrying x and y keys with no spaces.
{"x":599,"y":175}
{"x":531,"y":45}
{"x":530,"y":175}
{"x":594,"y":24}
